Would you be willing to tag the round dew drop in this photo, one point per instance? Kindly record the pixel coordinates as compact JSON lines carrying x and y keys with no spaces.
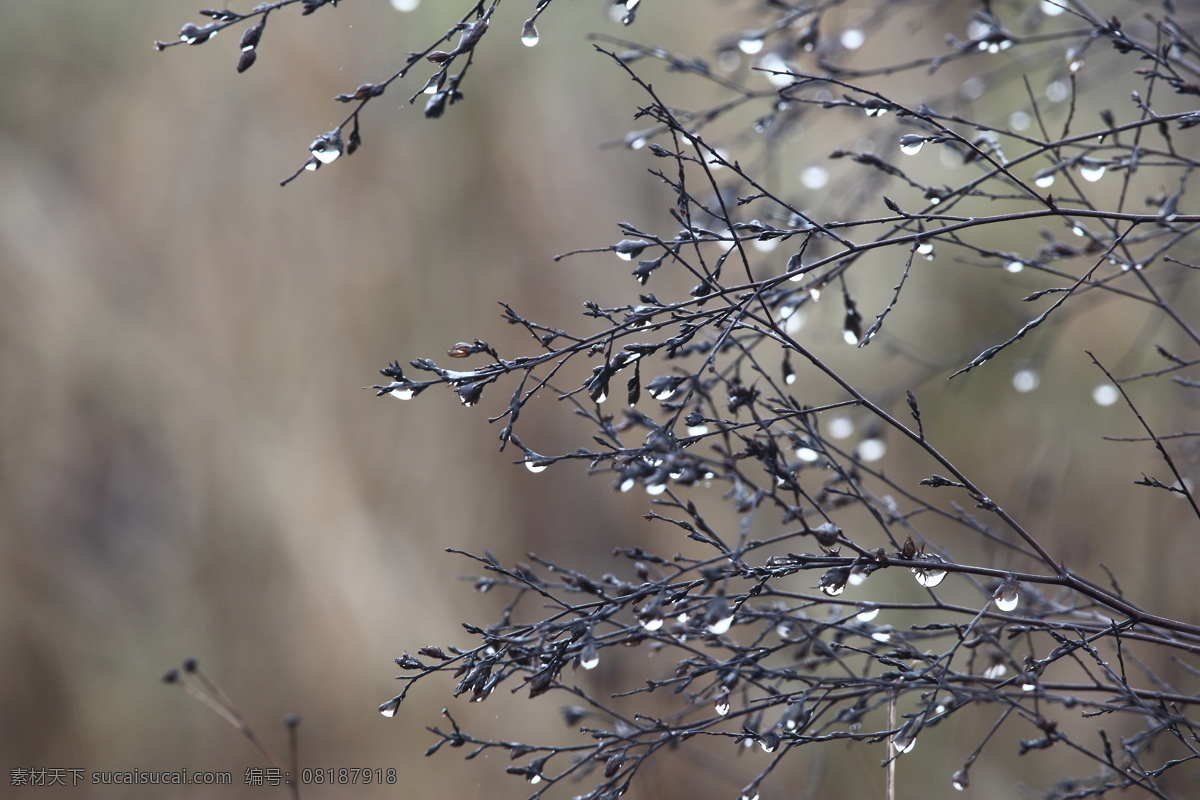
{"x":1105,"y":394}
{"x":750,"y":46}
{"x":529,"y":34}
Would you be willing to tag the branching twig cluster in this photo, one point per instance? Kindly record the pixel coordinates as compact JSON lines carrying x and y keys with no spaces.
{"x":694,"y":395}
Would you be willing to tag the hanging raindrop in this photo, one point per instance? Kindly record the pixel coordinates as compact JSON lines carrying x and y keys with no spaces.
{"x":1014,"y":266}
{"x":1044,"y":179}
{"x":1008,"y":596}
{"x":652,"y":624}
{"x":852,"y":39}
{"x":867,"y":612}
{"x":814,"y":177}
{"x":537,"y":465}
{"x":911,"y":144}
{"x":833,"y":582}
{"x":995,"y":671}
{"x":903,"y":743}
{"x":871,"y":449}
{"x":1105,"y":394}
{"x":841,"y":427}
{"x":389,"y":708}
{"x":529,"y":34}
{"x":750,"y":45}
{"x":1026,"y":380}
{"x":1092,"y":171}
{"x":721,"y":626}
{"x":327,"y":147}
{"x":959,"y":780}
{"x":932,"y":575}
{"x":590,"y":656}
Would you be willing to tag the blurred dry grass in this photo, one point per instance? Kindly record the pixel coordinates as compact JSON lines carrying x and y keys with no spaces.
{"x":187,"y":464}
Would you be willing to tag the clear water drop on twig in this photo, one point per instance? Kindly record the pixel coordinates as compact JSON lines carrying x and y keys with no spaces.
{"x":529,"y":34}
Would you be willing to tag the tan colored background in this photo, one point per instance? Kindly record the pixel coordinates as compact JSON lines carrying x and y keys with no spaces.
{"x":188,"y":466}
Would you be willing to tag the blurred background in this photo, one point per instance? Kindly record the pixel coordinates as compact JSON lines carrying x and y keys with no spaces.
{"x":189,"y":466}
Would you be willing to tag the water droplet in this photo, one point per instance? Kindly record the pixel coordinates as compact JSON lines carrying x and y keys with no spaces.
{"x":748,"y":796}
{"x":925,"y":248}
{"x":1092,"y":172}
{"x":833,"y":582}
{"x":1014,"y":266}
{"x":536,"y":466}
{"x":871,"y":449}
{"x":1105,"y":394}
{"x":697,"y":430}
{"x":1028,"y":687}
{"x":721,"y":626}
{"x":1020,"y":120}
{"x":814,"y":177}
{"x":405,"y":5}
{"x":389,"y":708}
{"x":867,"y":612}
{"x":1026,"y":380}
{"x":1044,"y":179}
{"x":589,"y":656}
{"x":434,"y":84}
{"x":973,"y":88}
{"x":722,"y":706}
{"x":1008,"y":596}
{"x":903,"y":743}
{"x":814,"y":294}
{"x":911,"y":144}
{"x":807,"y":454}
{"x":1052,"y":8}
{"x":776,"y":70}
{"x":995,"y":671}
{"x":841,"y":427}
{"x":405,"y":393}
{"x":959,"y":780}
{"x":929,"y":576}
{"x":750,"y":45}
{"x":852,"y":38}
{"x":882,"y":637}
{"x":529,"y":34}
{"x":628,"y":484}
{"x":765,"y":245}
{"x":652,"y":623}
{"x":655,"y":489}
{"x":1057,"y":91}
{"x":849,"y":337}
